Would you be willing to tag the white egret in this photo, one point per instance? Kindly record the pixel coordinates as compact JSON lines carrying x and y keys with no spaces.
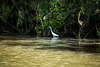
{"x":54,"y":35}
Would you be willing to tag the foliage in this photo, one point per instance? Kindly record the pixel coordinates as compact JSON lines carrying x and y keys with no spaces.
{"x":71,"y":18}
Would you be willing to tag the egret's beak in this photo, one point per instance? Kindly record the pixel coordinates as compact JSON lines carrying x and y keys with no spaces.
{"x":49,"y":26}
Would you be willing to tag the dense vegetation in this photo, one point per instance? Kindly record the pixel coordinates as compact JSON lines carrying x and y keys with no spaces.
{"x":68,"y":18}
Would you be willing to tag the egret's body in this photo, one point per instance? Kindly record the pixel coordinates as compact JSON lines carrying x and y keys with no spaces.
{"x":54,"y":35}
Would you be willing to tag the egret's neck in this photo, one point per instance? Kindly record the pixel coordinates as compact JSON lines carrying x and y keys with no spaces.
{"x":51,"y":30}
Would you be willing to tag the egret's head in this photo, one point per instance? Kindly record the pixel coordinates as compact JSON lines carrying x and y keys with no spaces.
{"x":49,"y":26}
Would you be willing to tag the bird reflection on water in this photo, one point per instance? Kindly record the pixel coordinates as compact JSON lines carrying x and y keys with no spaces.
{"x":54,"y":40}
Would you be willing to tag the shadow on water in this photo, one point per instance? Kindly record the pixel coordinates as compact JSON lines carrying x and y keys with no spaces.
{"x":88,"y":46}
{"x":88,"y":49}
{"x":55,"y":44}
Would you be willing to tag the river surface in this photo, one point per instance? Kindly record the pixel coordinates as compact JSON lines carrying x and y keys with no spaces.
{"x":28,"y":51}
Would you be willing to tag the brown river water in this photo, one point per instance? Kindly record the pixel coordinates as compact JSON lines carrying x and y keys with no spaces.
{"x":28,"y":51}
